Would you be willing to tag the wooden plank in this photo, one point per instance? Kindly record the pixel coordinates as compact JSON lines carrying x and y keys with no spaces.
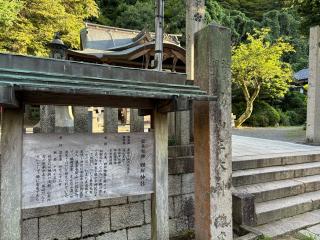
{"x":11,"y":174}
{"x":212,"y":135}
{"x":160,"y":215}
{"x":68,"y":168}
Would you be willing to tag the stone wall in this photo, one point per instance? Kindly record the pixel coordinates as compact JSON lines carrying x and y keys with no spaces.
{"x":125,"y":218}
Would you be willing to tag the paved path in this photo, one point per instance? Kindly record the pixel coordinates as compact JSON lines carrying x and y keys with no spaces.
{"x":257,"y":147}
{"x":288,"y":134}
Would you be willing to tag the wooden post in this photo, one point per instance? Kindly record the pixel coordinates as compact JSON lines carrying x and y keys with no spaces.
{"x":313,"y":113}
{"x":212,"y":135}
{"x":160,"y":206}
{"x":11,"y":175}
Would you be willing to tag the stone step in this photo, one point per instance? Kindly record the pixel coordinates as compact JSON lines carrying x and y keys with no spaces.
{"x":289,"y":225}
{"x":287,"y":207}
{"x":251,"y":162}
{"x":311,"y":233}
{"x":279,"y":189}
{"x":270,"y":174}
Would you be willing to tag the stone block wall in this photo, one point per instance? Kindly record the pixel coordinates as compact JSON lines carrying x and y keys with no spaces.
{"x":125,"y":218}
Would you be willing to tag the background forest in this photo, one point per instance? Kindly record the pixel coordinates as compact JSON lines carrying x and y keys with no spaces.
{"x":26,"y":26}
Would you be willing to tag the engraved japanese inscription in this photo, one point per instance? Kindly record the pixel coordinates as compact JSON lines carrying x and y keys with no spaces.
{"x":60,"y":169}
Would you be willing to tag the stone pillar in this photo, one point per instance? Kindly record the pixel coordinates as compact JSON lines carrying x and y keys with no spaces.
{"x":136,"y":121}
{"x":313,"y":113}
{"x":212,"y":135}
{"x":47,"y":119}
{"x":63,"y":120}
{"x":11,"y":174}
{"x":82,"y":120}
{"x":194,"y":22}
{"x":110,"y":120}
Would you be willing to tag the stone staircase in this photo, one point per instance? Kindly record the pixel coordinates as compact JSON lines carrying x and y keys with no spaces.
{"x":277,"y":193}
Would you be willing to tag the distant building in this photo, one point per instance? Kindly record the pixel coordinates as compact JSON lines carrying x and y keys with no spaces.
{"x":301,"y":78}
{"x":127,"y":48}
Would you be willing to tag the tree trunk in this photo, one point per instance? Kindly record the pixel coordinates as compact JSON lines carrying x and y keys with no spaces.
{"x":249,"y":108}
{"x":247,"y":113}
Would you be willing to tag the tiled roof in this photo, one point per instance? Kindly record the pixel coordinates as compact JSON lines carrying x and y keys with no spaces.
{"x":302,"y":74}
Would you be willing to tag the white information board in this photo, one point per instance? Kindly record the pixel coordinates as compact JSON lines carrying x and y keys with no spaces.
{"x":60,"y":169}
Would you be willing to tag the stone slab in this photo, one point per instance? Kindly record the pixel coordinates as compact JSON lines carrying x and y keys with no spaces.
{"x":291,"y":224}
{"x":61,"y":168}
{"x":287,"y":207}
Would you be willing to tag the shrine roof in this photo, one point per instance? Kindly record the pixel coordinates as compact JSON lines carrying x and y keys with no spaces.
{"x":36,"y":75}
{"x":107,"y":44}
{"x":107,"y":38}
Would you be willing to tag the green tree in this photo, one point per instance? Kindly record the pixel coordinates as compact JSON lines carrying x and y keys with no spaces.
{"x":237,"y":21}
{"x":286,"y":24}
{"x":257,"y":64}
{"x":8,"y":12}
{"x":38,"y":20}
{"x":137,"y":16}
{"x":254,"y":9}
{"x":309,"y":10}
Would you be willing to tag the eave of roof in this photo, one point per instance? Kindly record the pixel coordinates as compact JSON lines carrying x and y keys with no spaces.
{"x":123,"y":54}
{"x":22,"y":80}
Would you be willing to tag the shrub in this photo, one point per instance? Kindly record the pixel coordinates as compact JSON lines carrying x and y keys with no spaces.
{"x":284,"y":118}
{"x":294,"y":100}
{"x":295,"y":118}
{"x":263,"y":115}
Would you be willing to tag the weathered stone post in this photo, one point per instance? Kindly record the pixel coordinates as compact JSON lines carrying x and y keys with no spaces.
{"x":11,"y":174}
{"x":194,"y":22}
{"x":110,"y":120}
{"x":136,"y":121}
{"x":47,"y":119}
{"x":212,"y":135}
{"x":313,"y":113}
{"x":81,"y":120}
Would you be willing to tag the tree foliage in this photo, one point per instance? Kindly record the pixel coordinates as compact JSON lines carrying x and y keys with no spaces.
{"x":8,"y":12}
{"x":254,"y":9}
{"x":237,"y":21}
{"x":33,"y":23}
{"x":257,"y":64}
{"x":309,"y":10}
{"x":139,"y":14}
{"x":286,"y":24}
